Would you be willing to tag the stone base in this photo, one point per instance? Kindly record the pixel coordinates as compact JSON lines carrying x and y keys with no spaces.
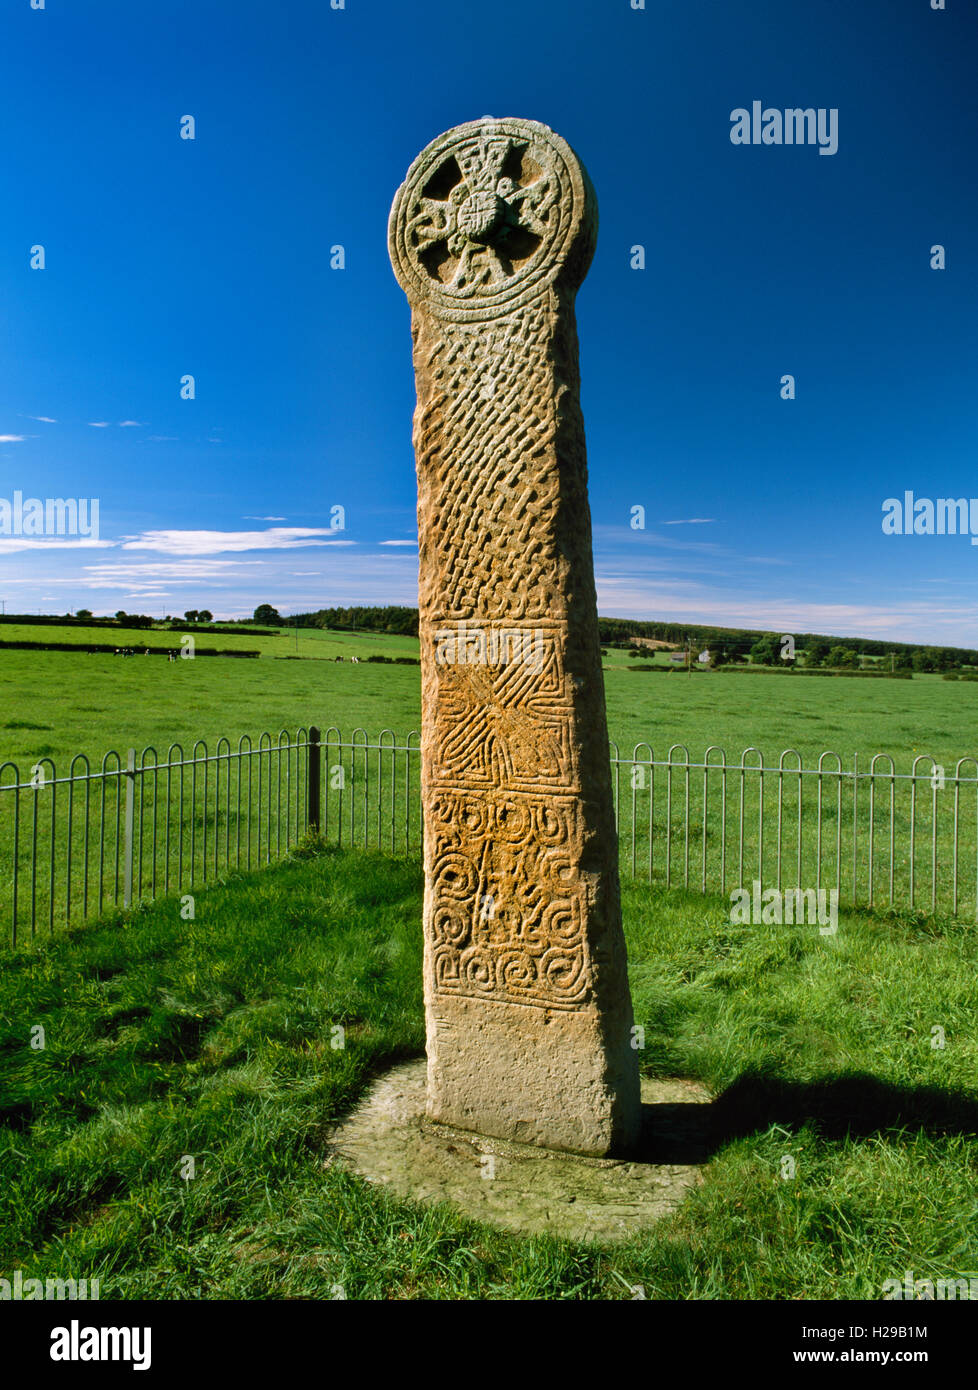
{"x":390,"y":1141}
{"x":534,"y":1076}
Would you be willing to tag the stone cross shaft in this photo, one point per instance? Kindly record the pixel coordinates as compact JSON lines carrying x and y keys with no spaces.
{"x":529,"y":1018}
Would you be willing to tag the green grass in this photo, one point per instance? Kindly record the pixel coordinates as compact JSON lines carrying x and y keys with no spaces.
{"x":57,"y":704}
{"x":310,"y":643}
{"x":212,"y":1038}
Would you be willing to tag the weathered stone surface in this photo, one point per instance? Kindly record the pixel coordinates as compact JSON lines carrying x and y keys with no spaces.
{"x":389,"y":1141}
{"x":528,"y":1012}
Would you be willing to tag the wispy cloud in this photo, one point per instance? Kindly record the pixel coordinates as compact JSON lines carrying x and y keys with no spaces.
{"x":150,"y":574}
{"x":12,"y":438}
{"x":130,"y":424}
{"x":43,"y":419}
{"x":692,"y":521}
{"x":214,"y":542}
{"x":99,"y":424}
{"x":397,"y":542}
{"x":231,"y":585}
{"x":624,"y":595}
{"x":10,"y":544}
{"x":265,"y":518}
{"x":161,"y":439}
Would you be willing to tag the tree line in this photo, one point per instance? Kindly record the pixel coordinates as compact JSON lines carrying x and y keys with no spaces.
{"x":402,"y":622}
{"x":726,"y":645}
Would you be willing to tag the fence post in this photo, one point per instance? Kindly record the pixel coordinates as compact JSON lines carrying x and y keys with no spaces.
{"x":130,"y":812}
{"x":312,"y":780}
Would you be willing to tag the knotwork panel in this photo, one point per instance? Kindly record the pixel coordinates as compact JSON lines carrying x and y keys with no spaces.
{"x":489,"y":491}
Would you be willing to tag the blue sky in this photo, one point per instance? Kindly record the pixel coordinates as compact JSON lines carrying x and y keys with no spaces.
{"x":211,"y":257}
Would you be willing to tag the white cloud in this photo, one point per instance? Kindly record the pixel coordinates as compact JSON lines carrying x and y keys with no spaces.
{"x":12,"y":438}
{"x":128,"y":424}
{"x":10,"y":544}
{"x":229,"y":585}
{"x":215,"y":542}
{"x":161,"y":438}
{"x":398,"y":542}
{"x":154,"y":571}
{"x":692,"y":521}
{"x":626,"y":596}
{"x":265,"y":518}
{"x":43,"y":419}
{"x":99,"y":424}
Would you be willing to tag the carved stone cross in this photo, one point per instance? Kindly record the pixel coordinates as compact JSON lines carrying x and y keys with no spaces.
{"x":529,"y":1018}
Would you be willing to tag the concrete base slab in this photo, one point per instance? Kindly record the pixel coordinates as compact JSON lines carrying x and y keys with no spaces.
{"x":522,"y":1188}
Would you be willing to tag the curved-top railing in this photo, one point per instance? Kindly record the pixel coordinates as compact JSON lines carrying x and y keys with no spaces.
{"x":135,"y":826}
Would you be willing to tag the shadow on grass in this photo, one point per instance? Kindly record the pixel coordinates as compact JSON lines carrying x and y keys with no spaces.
{"x":856,"y":1106}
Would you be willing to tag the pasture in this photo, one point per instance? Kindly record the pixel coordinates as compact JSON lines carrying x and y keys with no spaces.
{"x":214,"y":1038}
{"x":56,"y":704}
{"x":677,"y":826}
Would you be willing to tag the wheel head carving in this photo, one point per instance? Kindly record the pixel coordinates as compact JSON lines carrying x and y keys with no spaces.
{"x":489,"y":215}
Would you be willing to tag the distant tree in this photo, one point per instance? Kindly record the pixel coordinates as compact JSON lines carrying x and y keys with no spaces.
{"x":205,"y":616}
{"x":817,"y":651}
{"x":726,"y":652}
{"x":84,"y":613}
{"x":191,"y":615}
{"x":766,"y":651}
{"x":121,"y":616}
{"x":267,"y":615}
{"x":842,"y":657}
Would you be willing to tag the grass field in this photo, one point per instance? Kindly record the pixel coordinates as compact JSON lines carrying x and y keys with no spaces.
{"x":56,"y":704}
{"x":311,"y":643}
{"x":212,"y":1038}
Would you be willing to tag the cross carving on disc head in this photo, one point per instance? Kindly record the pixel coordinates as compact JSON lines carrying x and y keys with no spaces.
{"x":482,"y":215}
{"x":486,"y":213}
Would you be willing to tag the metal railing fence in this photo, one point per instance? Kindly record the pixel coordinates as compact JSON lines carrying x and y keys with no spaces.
{"x":74,"y":845}
{"x":878,"y":836}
